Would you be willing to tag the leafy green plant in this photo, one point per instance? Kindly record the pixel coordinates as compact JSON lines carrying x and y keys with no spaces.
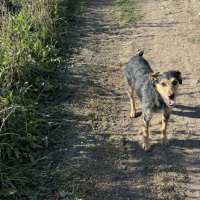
{"x":30,"y":50}
{"x":31,"y":46}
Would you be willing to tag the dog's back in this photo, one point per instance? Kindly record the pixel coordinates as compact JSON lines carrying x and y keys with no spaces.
{"x":137,"y":73}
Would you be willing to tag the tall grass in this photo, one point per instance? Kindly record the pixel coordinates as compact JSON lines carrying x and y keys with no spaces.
{"x":30,"y":44}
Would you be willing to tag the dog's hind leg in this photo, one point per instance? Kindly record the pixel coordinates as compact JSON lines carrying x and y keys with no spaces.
{"x":146,"y":120}
{"x":132,"y":101}
{"x":165,"y":119}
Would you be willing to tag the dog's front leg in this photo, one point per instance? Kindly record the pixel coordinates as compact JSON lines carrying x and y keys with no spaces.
{"x":165,"y":119}
{"x":146,"y":146}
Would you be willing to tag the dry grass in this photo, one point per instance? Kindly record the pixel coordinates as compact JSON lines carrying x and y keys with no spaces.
{"x":167,"y":180}
{"x":102,"y":112}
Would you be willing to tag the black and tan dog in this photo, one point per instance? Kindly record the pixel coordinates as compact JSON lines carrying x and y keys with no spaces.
{"x":156,"y":91}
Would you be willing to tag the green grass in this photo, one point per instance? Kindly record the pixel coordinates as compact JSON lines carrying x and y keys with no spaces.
{"x":31,"y":46}
{"x":125,"y":11}
{"x":194,"y":39}
{"x":179,"y":2}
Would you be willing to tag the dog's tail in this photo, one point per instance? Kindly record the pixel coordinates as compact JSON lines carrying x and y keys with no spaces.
{"x":141,"y":53}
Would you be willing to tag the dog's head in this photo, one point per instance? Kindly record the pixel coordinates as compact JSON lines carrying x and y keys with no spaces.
{"x":167,"y":84}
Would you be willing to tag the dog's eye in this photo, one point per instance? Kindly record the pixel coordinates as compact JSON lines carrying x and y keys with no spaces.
{"x":163,"y":84}
{"x":175,"y":82}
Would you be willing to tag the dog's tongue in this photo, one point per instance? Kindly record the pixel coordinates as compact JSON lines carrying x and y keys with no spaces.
{"x":170,"y":101}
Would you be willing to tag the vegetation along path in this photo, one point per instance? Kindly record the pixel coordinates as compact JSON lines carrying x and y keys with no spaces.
{"x":101,"y":155}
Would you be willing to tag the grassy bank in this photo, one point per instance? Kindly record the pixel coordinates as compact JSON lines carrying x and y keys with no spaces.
{"x":31,"y":42}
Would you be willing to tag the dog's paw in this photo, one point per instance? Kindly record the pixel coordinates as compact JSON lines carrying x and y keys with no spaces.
{"x":133,"y":114}
{"x":146,"y":146}
{"x":164,"y":141}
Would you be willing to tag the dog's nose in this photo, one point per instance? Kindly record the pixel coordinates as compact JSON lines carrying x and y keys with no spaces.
{"x":171,"y":96}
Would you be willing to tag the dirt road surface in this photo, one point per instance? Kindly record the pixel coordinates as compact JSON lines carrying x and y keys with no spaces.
{"x":108,"y":156}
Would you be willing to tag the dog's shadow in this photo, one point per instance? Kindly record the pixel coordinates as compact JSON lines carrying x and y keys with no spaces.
{"x":184,"y":111}
{"x":187,"y":111}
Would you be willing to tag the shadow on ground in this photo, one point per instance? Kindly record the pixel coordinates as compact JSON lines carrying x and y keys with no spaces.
{"x":125,"y":171}
{"x":187,"y":111}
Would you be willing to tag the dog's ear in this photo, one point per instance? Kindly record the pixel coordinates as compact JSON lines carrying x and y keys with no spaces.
{"x":153,"y":77}
{"x":179,"y":77}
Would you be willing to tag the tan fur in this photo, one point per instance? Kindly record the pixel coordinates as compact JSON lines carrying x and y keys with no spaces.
{"x":146,"y":146}
{"x":153,"y":77}
{"x":169,"y":88}
{"x":132,"y":101}
{"x":165,"y":119}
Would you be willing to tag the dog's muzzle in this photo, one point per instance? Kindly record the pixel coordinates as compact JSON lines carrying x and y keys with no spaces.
{"x":170,"y":102}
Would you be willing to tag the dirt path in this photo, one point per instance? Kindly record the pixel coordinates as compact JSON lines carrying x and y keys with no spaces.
{"x":112,"y":162}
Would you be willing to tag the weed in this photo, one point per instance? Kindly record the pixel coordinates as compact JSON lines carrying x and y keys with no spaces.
{"x":125,"y":11}
{"x":194,"y":39}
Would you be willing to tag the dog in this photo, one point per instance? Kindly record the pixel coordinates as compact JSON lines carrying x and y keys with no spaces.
{"x":156,"y":91}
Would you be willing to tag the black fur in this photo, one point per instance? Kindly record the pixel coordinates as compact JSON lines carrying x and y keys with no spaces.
{"x":141,"y":53}
{"x":137,"y":74}
{"x":169,"y":75}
